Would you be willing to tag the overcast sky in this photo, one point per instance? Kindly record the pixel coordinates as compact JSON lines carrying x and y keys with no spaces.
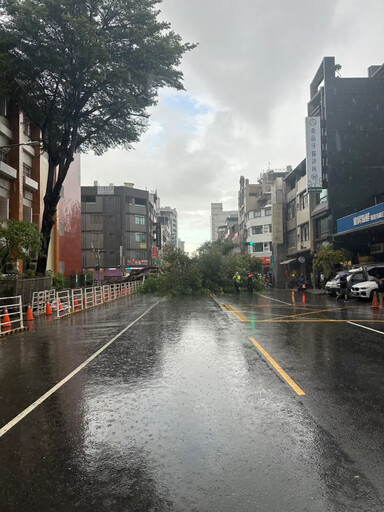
{"x":247,"y":87}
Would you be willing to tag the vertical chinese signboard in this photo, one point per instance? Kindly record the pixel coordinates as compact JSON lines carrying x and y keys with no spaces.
{"x":277,"y":223}
{"x":158,"y":235}
{"x":314,"y":167}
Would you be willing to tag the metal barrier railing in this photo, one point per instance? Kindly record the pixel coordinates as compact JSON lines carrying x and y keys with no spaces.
{"x":40,"y":299}
{"x":98,"y":295}
{"x":113,"y":291}
{"x":106,"y":293}
{"x":77,"y":299}
{"x":63,"y":303}
{"x":89,"y":297}
{"x":11,"y":316}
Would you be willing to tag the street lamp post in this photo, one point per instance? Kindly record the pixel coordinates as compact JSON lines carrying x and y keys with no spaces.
{"x":30,"y":143}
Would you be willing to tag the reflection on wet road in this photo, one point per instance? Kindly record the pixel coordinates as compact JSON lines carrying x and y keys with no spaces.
{"x":182,"y":411}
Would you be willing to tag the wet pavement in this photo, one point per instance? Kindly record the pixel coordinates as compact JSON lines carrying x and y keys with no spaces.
{"x":181,"y":408}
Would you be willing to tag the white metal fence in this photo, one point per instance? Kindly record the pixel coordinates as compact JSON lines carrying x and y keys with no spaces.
{"x":11,"y":314}
{"x":40,"y":299}
{"x":62,"y":302}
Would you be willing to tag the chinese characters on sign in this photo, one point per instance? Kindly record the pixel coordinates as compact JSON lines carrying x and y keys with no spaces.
{"x":314,"y":167}
{"x":367,"y":217}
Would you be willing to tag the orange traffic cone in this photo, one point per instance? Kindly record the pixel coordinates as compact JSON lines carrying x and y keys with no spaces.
{"x":60,"y":306}
{"x":48,"y":309}
{"x":6,"y":325}
{"x":29,"y":313}
{"x":76,"y":303}
{"x":375,"y":303}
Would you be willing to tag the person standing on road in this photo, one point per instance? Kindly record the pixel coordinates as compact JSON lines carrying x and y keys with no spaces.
{"x":380,"y":289}
{"x":236,"y":281}
{"x":343,"y":288}
{"x":250,"y":282}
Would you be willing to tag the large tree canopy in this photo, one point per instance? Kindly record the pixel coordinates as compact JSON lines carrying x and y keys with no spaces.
{"x":85,"y":71}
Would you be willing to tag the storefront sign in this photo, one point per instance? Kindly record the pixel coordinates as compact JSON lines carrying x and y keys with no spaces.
{"x":314,"y":165}
{"x":137,"y":263}
{"x":155,"y":252}
{"x":277,"y":223}
{"x":367,"y":217}
{"x":266,"y":260}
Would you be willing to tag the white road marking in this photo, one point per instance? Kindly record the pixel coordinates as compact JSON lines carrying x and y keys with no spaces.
{"x":364,"y":327}
{"x":276,"y":300}
{"x":46,"y":395}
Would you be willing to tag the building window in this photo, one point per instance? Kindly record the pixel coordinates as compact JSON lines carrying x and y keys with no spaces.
{"x":258,"y":247}
{"x":304,"y":232}
{"x":257,"y":230}
{"x":267,"y":246}
{"x":291,"y":238}
{"x":4,"y":107}
{"x":140,"y":220}
{"x":322,"y":228}
{"x":3,"y":156}
{"x":26,"y":126}
{"x":268,"y":211}
{"x":27,"y":170}
{"x":257,"y":213}
{"x":88,"y":199}
{"x":140,"y":237}
{"x":303,"y":201}
{"x":267,"y":228}
{"x":291,"y":210}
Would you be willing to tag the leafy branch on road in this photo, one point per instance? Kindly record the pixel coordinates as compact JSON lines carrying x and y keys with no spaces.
{"x":210,"y":271}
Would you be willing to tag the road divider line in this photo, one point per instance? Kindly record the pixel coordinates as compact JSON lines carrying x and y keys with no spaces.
{"x":239,"y":315}
{"x":276,"y":300}
{"x":46,"y":395}
{"x":308,"y":313}
{"x":278,"y":368}
{"x":365,"y":327}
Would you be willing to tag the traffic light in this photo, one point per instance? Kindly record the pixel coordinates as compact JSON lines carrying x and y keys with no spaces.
{"x":249,"y":243}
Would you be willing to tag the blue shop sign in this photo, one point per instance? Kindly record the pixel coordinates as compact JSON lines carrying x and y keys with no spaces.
{"x":357,"y":220}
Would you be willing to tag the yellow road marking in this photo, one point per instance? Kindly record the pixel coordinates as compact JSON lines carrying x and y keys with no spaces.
{"x":239,"y":315}
{"x":307,"y":320}
{"x":278,"y":368}
{"x":308,"y":313}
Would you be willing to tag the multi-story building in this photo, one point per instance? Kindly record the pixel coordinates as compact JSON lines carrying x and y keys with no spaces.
{"x":220,"y":218}
{"x":351,"y":112}
{"x":261,"y":218}
{"x":117,"y":226}
{"x":299,"y":229}
{"x":169,"y":213}
{"x":23,"y":180}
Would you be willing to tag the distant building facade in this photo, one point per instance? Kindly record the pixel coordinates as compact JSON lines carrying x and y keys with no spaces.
{"x":220,"y":220}
{"x":166,"y":212}
{"x":117,"y":226}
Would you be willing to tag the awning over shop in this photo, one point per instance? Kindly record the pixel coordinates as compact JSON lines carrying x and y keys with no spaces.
{"x":286,"y":262}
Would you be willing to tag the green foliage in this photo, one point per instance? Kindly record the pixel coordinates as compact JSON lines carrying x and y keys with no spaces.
{"x":89,"y":279}
{"x":29,"y":274}
{"x":327,"y":260}
{"x":211,"y":271}
{"x":18,"y":240}
{"x":58,"y":281}
{"x":85,"y":73}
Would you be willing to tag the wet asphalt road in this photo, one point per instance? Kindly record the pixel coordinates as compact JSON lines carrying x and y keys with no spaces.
{"x":182,"y":412}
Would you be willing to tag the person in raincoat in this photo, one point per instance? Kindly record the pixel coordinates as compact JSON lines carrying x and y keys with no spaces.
{"x":250,"y":282}
{"x":236,"y":281}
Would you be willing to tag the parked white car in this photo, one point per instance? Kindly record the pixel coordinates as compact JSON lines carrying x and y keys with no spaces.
{"x":354,"y":276}
{"x":365,"y":289}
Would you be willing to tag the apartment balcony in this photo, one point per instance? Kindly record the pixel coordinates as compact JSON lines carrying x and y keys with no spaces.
{"x":8,"y":172}
{"x":30,"y":184}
